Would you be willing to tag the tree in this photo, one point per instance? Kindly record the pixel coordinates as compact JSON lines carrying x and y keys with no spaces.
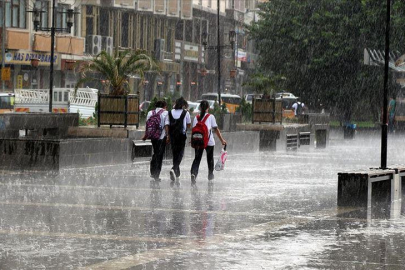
{"x":318,"y":46}
{"x":116,"y":69}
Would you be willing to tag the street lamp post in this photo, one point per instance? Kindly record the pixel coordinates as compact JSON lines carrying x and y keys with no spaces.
{"x":218,"y":48}
{"x":384,"y":126}
{"x":37,"y":22}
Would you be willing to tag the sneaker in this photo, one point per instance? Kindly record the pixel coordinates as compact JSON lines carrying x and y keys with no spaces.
{"x":211,"y":176}
{"x":172,"y":175}
{"x":157,"y":178}
{"x":193,"y":178}
{"x":178,"y":177}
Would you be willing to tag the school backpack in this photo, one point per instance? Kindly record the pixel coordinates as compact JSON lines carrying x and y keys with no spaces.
{"x":153,"y":126}
{"x":176,"y":125}
{"x":199,"y":133}
{"x":299,"y":108}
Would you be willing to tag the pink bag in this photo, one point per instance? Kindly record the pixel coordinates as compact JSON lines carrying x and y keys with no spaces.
{"x":220,"y":165}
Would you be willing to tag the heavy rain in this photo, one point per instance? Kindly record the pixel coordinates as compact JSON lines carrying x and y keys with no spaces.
{"x":202,"y":134}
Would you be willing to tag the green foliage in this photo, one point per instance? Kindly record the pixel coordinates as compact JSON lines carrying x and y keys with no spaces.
{"x":245,"y":108}
{"x":116,"y":69}
{"x":318,"y":45}
{"x":91,"y":121}
{"x":218,"y":111}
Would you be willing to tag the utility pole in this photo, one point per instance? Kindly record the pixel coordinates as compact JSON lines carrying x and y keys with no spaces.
{"x":219,"y":55}
{"x":52,"y":56}
{"x":384,"y":125}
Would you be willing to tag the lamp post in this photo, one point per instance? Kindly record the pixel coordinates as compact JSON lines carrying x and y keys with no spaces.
{"x":384,"y":126}
{"x":218,"y":47}
{"x":36,"y":17}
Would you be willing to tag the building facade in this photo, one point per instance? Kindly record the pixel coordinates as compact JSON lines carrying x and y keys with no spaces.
{"x":171,"y":30}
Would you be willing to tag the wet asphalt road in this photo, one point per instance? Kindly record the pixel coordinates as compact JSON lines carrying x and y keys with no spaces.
{"x":267,"y":210}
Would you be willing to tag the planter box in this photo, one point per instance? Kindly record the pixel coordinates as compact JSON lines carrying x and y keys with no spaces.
{"x":118,"y":110}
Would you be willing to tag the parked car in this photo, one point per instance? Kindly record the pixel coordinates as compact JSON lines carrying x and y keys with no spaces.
{"x":249,"y":97}
{"x":193,"y":107}
{"x":211,"y":102}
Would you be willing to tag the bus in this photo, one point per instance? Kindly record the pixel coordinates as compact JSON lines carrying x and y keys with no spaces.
{"x":6,"y":102}
{"x":232,"y":102}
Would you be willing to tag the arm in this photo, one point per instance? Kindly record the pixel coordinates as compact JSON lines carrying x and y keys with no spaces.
{"x":218,"y":132}
{"x":167,"y":134}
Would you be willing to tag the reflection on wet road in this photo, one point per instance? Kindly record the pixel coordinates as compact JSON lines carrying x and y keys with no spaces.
{"x":268,"y":210}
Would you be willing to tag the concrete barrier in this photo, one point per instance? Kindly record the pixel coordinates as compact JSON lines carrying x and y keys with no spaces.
{"x":38,"y":125}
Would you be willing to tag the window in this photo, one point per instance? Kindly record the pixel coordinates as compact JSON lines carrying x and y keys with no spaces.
{"x":104,"y":17}
{"x":124,"y":29}
{"x":179,"y":30}
{"x":15,"y":14}
{"x":189,"y":31}
{"x":61,"y":16}
{"x":141,"y":32}
{"x":197,"y":28}
{"x":44,"y":7}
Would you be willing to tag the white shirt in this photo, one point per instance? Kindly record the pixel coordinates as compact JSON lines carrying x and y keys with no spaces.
{"x":162,"y":120}
{"x":211,"y":123}
{"x":176,"y":115}
{"x":295,"y":106}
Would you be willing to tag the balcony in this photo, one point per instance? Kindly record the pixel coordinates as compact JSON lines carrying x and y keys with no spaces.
{"x":18,"y":39}
{"x":70,"y":45}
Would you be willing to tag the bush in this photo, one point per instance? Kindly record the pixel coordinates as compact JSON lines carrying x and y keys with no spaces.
{"x":245,"y":108}
{"x":91,"y":121}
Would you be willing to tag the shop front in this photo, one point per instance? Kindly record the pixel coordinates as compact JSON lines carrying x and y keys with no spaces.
{"x":30,"y":70}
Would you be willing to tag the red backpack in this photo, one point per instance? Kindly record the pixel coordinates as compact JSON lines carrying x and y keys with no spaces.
{"x":199,"y":133}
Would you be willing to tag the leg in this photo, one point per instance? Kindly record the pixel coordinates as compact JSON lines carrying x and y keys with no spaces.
{"x":153,"y":162}
{"x":196,"y":162}
{"x":159,"y":157}
{"x":178,"y":152}
{"x":210,"y":161}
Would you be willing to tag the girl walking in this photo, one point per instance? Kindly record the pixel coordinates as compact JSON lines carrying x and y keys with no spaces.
{"x":212,"y":126}
{"x":177,"y":121}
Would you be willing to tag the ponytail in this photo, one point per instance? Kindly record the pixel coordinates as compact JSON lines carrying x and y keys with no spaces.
{"x":203,"y":108}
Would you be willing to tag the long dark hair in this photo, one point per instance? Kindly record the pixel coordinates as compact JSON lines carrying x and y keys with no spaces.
{"x":181,"y":103}
{"x":204,"y":105}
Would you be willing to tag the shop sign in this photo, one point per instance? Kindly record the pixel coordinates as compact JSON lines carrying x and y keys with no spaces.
{"x":24,"y":58}
{"x":241,"y":56}
{"x":191,"y":53}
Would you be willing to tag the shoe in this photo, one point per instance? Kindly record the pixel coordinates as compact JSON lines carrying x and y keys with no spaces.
{"x":193,"y":178}
{"x":172,"y":175}
{"x":178,"y":177}
{"x":211,"y":176}
{"x":157,"y":178}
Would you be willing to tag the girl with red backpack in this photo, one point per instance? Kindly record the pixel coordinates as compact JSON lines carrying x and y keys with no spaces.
{"x":200,"y":142}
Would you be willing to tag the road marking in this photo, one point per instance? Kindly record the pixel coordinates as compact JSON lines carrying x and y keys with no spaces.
{"x":192,"y":246}
{"x":133,"y":208}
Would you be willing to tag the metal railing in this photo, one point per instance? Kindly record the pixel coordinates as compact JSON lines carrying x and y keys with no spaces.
{"x":83,"y":96}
